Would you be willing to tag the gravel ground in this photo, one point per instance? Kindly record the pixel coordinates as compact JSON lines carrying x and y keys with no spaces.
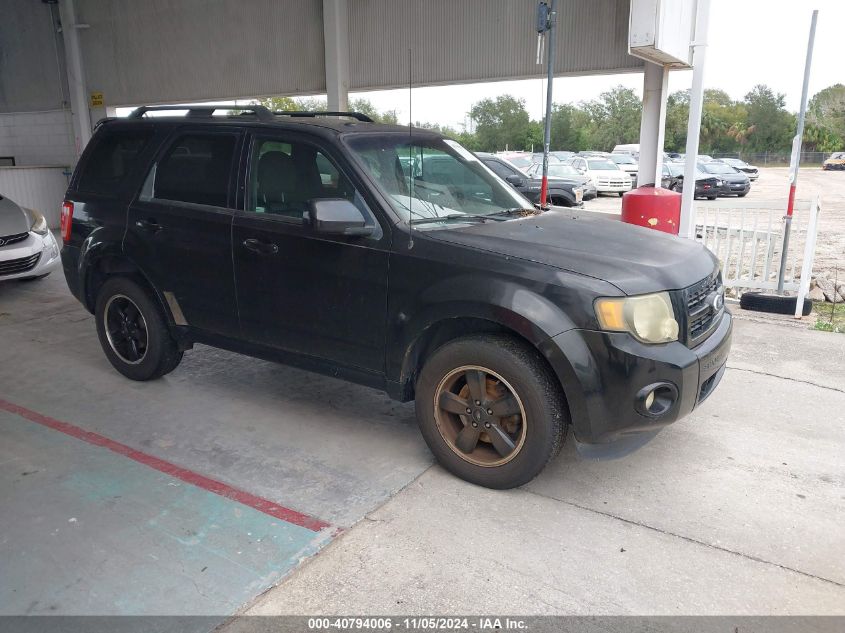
{"x":773,"y":185}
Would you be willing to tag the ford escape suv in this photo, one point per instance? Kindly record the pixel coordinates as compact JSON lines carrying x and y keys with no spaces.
{"x":394,"y":258}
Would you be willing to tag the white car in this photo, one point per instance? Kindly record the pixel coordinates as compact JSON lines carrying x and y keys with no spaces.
{"x":606,"y":174}
{"x":628,"y":164}
{"x":27,"y":248}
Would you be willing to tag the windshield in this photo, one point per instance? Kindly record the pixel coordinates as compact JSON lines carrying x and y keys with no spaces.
{"x":432,"y":177}
{"x":716,"y":168}
{"x":600,"y":164}
{"x":734,"y":162}
{"x":620,"y":159}
{"x":561,"y":171}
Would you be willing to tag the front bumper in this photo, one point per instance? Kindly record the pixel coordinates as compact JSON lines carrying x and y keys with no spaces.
{"x":613,"y":186}
{"x":603,"y":375}
{"x":735,"y":188}
{"x":35,"y":256}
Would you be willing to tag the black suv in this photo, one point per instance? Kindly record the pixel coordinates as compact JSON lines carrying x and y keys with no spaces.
{"x":392,"y":258}
{"x":562,"y":192}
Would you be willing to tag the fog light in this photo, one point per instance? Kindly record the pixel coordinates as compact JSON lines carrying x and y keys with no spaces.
{"x":656,"y":400}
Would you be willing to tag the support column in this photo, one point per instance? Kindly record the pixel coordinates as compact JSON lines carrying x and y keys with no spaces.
{"x":653,"y":124}
{"x":336,"y":41}
{"x":686,"y":226}
{"x":75,"y":76}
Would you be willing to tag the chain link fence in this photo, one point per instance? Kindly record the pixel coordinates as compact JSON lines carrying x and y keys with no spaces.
{"x":776,"y":159}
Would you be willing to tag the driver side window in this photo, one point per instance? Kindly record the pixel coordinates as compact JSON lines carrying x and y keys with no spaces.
{"x":285,"y":176}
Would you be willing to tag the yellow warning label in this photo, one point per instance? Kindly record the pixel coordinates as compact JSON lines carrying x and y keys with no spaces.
{"x":97,"y":100}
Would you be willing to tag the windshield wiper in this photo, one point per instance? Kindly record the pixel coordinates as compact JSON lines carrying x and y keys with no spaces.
{"x":451,"y":217}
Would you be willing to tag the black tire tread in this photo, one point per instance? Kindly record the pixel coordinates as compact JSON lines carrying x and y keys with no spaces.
{"x":166,"y":357}
{"x":774,"y":304}
{"x":527,"y":365}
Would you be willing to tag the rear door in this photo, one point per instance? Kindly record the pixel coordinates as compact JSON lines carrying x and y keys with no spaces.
{"x":179,"y":227}
{"x":319,"y":295}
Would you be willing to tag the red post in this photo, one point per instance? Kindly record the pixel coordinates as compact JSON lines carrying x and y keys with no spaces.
{"x":544,"y":189}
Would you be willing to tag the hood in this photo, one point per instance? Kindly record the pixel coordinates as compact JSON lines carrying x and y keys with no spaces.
{"x":608,"y":173}
{"x":13,"y":219}
{"x":572,"y":181}
{"x":634,"y":259}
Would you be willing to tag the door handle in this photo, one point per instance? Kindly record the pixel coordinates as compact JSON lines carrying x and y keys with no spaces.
{"x":265,"y":248}
{"x":149,"y":225}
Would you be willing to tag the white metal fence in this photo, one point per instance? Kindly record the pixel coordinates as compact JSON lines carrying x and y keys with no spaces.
{"x":747,"y":237}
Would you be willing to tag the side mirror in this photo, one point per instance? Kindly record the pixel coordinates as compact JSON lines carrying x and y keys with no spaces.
{"x":514,"y":180}
{"x":337,"y":216}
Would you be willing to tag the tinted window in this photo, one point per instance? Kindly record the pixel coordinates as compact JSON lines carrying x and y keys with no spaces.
{"x":196,"y":168}
{"x":284,"y":176}
{"x":500,"y":169}
{"x":112,"y":159}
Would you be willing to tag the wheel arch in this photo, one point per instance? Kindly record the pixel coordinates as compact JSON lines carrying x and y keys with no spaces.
{"x":448,"y":328}
{"x":103,"y":264}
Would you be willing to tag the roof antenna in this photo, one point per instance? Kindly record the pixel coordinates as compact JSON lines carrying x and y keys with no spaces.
{"x":411,"y":159}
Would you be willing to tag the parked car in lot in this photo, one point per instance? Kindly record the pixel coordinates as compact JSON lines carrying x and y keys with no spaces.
{"x":522,"y":160}
{"x":740,"y":165}
{"x":736,"y":182}
{"x":835,"y":162}
{"x":706,"y":185}
{"x":562,"y":193}
{"x":27,"y":248}
{"x":566,"y":173}
{"x":630,"y":148}
{"x":604,"y":172}
{"x":306,"y":239}
{"x":628,"y":164}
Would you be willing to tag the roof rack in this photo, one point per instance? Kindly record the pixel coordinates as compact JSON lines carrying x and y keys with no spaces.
{"x":305,"y":113}
{"x":205,"y":111}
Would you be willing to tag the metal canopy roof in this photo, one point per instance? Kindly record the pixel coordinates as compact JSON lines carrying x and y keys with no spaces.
{"x":170,"y":52}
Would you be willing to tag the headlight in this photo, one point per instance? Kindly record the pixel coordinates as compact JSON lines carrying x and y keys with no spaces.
{"x":649,"y":318}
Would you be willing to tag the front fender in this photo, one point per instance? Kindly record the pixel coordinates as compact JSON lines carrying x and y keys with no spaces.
{"x":508,"y":304}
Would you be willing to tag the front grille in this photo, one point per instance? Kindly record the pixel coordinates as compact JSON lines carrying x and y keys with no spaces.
{"x":700,"y":311}
{"x":612,"y":183}
{"x":11,"y":239}
{"x":20,"y":265}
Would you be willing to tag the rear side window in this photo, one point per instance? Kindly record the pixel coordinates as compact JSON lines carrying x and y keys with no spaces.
{"x":195,"y":168}
{"x":112,"y":160}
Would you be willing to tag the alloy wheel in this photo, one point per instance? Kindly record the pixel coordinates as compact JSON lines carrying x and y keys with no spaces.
{"x":480,"y":416}
{"x":126,"y":329}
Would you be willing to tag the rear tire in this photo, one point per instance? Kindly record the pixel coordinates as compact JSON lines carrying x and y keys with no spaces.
{"x":133,"y":331}
{"x":774,"y":304}
{"x":620,"y":193}
{"x":521,"y":403}
{"x":712,"y":197}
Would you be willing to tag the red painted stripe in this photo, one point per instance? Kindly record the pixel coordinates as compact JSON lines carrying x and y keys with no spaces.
{"x":206,"y":483}
{"x":791,"y":204}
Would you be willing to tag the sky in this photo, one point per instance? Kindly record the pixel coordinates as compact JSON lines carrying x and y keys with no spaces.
{"x":750,"y":42}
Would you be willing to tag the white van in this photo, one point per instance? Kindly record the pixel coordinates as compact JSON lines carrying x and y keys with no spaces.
{"x":631,"y":148}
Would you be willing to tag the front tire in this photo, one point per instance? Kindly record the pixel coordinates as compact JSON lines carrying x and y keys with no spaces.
{"x":133,"y":332}
{"x":490,"y":410}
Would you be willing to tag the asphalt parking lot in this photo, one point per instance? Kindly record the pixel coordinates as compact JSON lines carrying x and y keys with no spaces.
{"x":199,"y":492}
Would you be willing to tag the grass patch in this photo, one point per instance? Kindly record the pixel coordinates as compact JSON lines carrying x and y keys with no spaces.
{"x":829,"y":318}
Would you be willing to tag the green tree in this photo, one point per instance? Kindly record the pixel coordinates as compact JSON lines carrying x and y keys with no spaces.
{"x":614,"y":118}
{"x":771,"y":127}
{"x":677,"y":114}
{"x":365,"y":106}
{"x":502,"y":123}
{"x":569,"y":128}
{"x":825,"y":129}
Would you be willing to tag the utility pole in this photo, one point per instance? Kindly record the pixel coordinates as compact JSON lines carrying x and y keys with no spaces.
{"x":796,"y":154}
{"x":546,"y":19}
